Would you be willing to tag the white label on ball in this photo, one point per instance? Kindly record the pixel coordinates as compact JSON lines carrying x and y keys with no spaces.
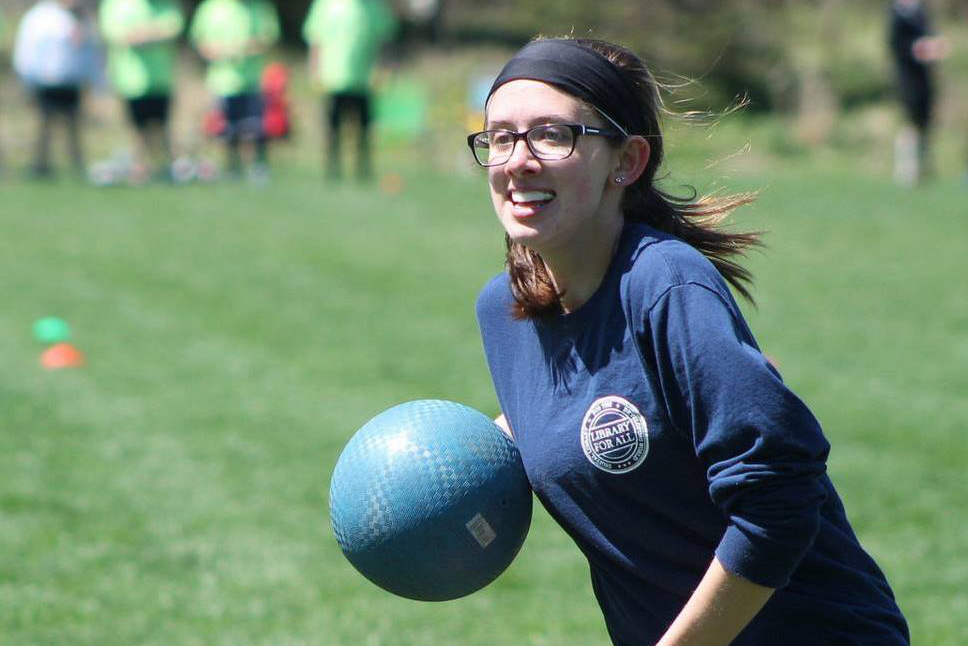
{"x":481,"y":530}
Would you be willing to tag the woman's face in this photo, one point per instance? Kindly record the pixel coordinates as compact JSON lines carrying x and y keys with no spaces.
{"x":550,"y":205}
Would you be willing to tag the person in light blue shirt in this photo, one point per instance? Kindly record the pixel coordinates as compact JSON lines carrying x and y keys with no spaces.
{"x":56,"y":55}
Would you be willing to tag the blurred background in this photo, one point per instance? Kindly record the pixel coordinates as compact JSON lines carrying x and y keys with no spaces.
{"x":818,"y":75}
{"x":184,"y":356}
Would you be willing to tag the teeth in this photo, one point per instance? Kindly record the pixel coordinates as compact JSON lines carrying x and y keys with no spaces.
{"x":531,"y":196}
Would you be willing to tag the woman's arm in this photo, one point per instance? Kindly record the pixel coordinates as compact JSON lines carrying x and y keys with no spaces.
{"x":720,"y":607}
{"x":158,"y":31}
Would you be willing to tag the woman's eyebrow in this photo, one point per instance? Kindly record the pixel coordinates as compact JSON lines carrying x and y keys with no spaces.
{"x":536,"y":121}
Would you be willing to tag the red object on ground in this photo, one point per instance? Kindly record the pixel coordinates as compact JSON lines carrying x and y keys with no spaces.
{"x":62,"y":355}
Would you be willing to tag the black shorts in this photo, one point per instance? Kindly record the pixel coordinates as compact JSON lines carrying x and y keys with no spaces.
{"x":149,"y":109}
{"x":63,"y":99}
{"x":343,"y":104}
{"x":243,"y":116}
{"x":917,"y":96}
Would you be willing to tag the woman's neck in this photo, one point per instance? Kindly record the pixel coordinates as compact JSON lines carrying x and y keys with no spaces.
{"x":578,"y":270}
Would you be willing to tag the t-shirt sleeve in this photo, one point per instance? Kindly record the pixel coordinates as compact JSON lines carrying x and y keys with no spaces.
{"x":198,"y":26}
{"x":111,"y":28}
{"x":173,"y":20}
{"x":384,"y":22}
{"x":25,"y":45}
{"x":763,"y":451}
{"x":269,"y":24}
{"x":116,"y":29}
{"x":311,"y":26}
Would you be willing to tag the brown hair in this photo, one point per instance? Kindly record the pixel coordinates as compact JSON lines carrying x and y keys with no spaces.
{"x":697,"y":220}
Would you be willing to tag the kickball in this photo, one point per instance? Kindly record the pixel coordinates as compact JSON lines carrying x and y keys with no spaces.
{"x":429,"y":500}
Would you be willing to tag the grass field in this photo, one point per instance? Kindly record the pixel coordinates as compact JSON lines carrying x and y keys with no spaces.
{"x":173,"y":491}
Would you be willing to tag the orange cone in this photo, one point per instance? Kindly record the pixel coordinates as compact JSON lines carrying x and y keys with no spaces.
{"x":62,"y":355}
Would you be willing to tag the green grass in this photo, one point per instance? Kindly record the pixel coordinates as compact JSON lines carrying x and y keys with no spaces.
{"x":173,"y":491}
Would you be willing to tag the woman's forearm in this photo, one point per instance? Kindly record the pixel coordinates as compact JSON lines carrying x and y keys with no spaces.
{"x":720,"y":607}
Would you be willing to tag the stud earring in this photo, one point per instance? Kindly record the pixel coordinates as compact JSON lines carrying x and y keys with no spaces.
{"x":619,"y":180}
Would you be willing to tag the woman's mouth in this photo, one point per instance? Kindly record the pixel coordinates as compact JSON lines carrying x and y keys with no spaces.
{"x":528,"y":203}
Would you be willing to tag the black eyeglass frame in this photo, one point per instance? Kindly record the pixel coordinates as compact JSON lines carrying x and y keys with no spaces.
{"x":577,"y":130}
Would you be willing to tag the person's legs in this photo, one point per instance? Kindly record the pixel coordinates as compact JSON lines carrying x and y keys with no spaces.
{"x":262,"y":150}
{"x":334,"y":117}
{"x":965,"y":177}
{"x":925,"y":156}
{"x":232,"y":109}
{"x":41,"y":166}
{"x":912,"y":145}
{"x":923,"y":118}
{"x":159,"y":148}
{"x":68,"y":104}
{"x":259,"y":169}
{"x":364,"y":158}
{"x":139,"y":126}
{"x":73,"y":120}
{"x":149,"y":117}
{"x":907,"y":167}
{"x":45,"y":115}
{"x":233,"y":157}
{"x":255,"y":128}
{"x":252,"y":135}
{"x":1,"y":145}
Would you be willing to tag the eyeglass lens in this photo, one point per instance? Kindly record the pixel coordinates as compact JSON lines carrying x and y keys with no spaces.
{"x":495,"y":147}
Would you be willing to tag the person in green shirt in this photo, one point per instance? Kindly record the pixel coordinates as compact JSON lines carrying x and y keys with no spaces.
{"x":142,"y":46}
{"x":233,"y":36}
{"x":345,"y":38}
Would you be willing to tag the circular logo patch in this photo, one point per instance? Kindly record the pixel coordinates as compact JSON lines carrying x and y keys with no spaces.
{"x":614,"y":435}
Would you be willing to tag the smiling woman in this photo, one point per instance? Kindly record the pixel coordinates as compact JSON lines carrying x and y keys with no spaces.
{"x":552,"y":205}
{"x":570,"y":106}
{"x":650,"y":424}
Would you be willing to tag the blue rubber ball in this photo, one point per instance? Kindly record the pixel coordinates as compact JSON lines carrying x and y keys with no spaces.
{"x":430,"y":501}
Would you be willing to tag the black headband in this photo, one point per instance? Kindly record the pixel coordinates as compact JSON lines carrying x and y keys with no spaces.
{"x":579,"y":71}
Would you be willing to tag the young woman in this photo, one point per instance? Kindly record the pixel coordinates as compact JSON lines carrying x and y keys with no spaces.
{"x":650,"y":425}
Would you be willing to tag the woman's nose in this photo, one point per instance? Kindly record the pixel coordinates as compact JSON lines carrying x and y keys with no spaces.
{"x":522,"y":160}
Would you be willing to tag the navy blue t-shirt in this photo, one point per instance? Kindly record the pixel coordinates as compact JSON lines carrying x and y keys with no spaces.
{"x":657,"y":434}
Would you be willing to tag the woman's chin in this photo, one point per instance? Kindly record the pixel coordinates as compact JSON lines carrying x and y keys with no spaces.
{"x":523,"y":231}
{"x":525,"y":236}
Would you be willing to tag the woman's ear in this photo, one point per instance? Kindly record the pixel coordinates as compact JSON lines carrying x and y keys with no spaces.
{"x":632,"y":160}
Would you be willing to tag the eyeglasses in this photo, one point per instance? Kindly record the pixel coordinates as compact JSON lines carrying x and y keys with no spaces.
{"x":548,"y":142}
